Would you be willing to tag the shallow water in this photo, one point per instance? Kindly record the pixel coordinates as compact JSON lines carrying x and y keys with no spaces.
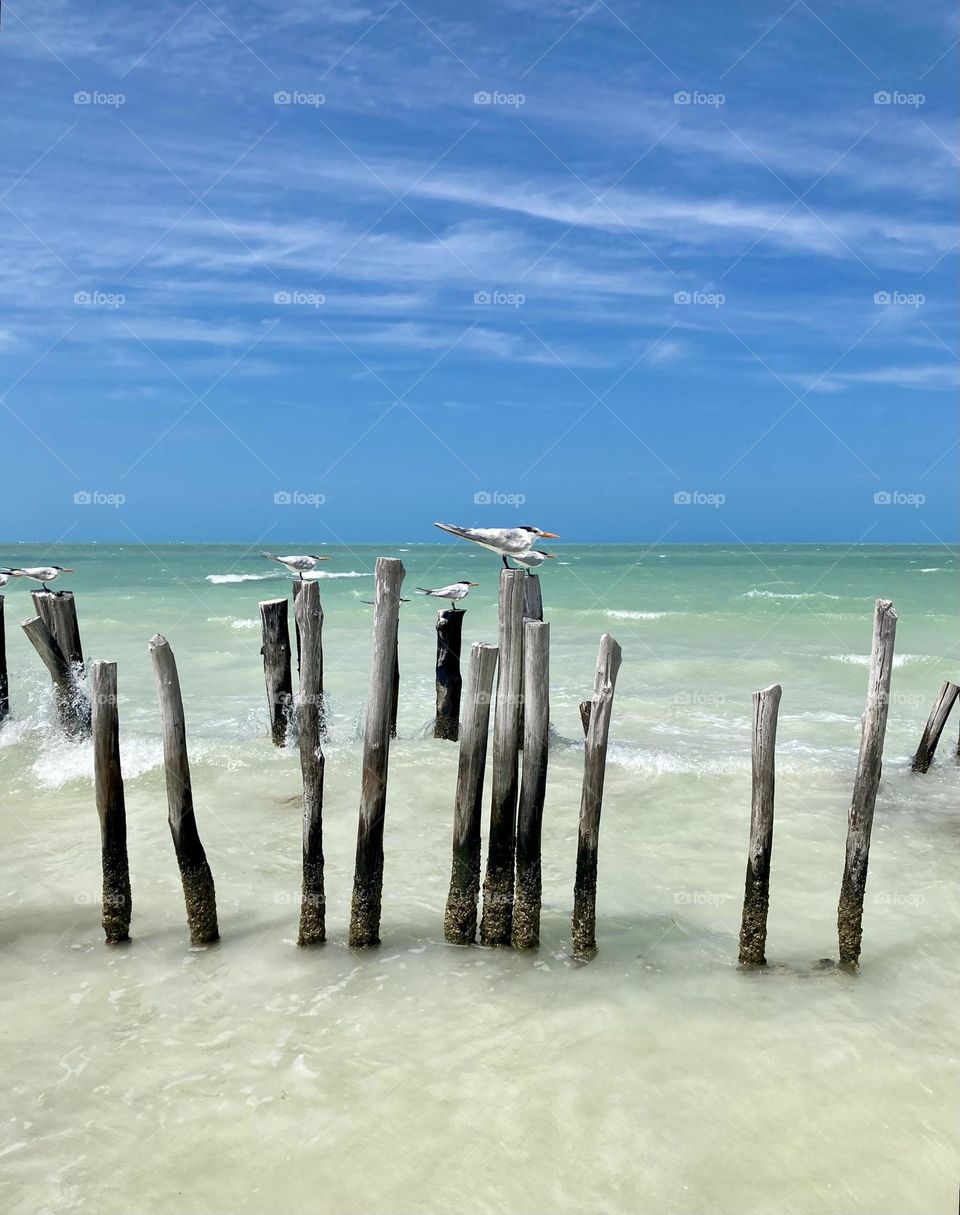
{"x":254,"y":1077}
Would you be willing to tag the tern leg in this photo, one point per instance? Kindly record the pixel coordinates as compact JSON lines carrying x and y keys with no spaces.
{"x":506,"y":563}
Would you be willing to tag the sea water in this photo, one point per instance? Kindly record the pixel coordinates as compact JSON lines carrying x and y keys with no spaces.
{"x":253,"y":1077}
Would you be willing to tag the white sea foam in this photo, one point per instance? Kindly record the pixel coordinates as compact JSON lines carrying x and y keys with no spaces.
{"x":622,"y":615}
{"x":61,"y":762}
{"x":316,"y":575}
{"x":218,"y":579}
{"x":758,"y":594}
{"x":863,"y":660}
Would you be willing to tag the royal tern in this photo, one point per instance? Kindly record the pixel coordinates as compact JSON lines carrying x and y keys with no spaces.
{"x":504,"y":541}
{"x":454,"y":592}
{"x":42,"y":574}
{"x":298,"y":564}
{"x":533,"y":559}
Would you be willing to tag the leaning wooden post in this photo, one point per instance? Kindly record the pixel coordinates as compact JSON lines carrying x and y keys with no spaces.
{"x":866,"y":784}
{"x":946,"y":698}
{"x":309,"y":617}
{"x":198,"y":890}
{"x":498,"y":885}
{"x":276,"y":666}
{"x":64,"y":660}
{"x":449,"y":683}
{"x":108,"y":787}
{"x":756,"y":895}
{"x":44,"y":642}
{"x":591,"y":798}
{"x":4,"y":679}
{"x":368,"y":874}
{"x":460,"y":920}
{"x":533,"y":786}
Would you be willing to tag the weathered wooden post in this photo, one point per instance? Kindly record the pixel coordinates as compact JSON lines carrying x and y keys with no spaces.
{"x":460,"y":919}
{"x":108,"y":788}
{"x":591,"y":798}
{"x":198,"y":889}
{"x":276,"y":666}
{"x":297,"y":588}
{"x":58,"y":644}
{"x":533,"y":786}
{"x":449,"y":683}
{"x":498,"y":885}
{"x":309,"y":618}
{"x":368,"y":874}
{"x":532,"y":610}
{"x":395,"y":683}
{"x":322,"y":703}
{"x":4,"y":678}
{"x":946,"y":699}
{"x":61,"y":675}
{"x":866,"y":784}
{"x":756,"y":894}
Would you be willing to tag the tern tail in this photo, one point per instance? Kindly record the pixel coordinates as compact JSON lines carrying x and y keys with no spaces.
{"x":422,"y":590}
{"x":452,"y":529}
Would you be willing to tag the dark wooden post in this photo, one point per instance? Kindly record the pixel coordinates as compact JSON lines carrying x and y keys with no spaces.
{"x":591,"y":798}
{"x":460,"y":920}
{"x":309,"y":617}
{"x":866,"y":784}
{"x":198,"y":889}
{"x":449,"y":682}
{"x":946,"y":699}
{"x":276,"y":666}
{"x":395,"y":682}
{"x":498,"y":885}
{"x":53,"y":659}
{"x":368,"y":874}
{"x":756,"y":895}
{"x":533,"y":786}
{"x":4,"y":679}
{"x":108,"y":787}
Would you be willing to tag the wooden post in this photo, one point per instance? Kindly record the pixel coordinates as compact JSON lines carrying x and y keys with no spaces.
{"x":533,"y":786}
{"x":460,"y":920}
{"x":869,"y":763}
{"x":395,"y":682}
{"x":198,"y":890}
{"x":4,"y":679}
{"x":322,"y":702}
{"x":946,"y":698}
{"x":57,"y":613}
{"x":756,"y":895}
{"x":368,"y":874}
{"x":108,"y":787}
{"x":532,"y":610}
{"x":309,"y":618}
{"x":498,"y":885}
{"x":591,"y":798}
{"x":53,"y":659}
{"x":449,"y":684}
{"x":276,"y":666}
{"x":297,"y":587}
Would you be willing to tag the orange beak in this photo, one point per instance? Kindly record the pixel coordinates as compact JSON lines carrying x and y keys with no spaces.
{"x":67,"y":570}
{"x":473,"y":584}
{"x":549,"y":536}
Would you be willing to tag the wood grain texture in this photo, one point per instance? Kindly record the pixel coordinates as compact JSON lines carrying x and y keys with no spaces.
{"x":460,"y":919}
{"x":197,"y":880}
{"x":498,"y":885}
{"x":309,"y":617}
{"x":756,"y":894}
{"x":381,"y":697}
{"x":111,"y":807}
{"x":449,"y":681}
{"x":533,"y":785}
{"x":866,"y":784}
{"x":946,"y":699}
{"x":591,"y":798}
{"x":275,"y":632}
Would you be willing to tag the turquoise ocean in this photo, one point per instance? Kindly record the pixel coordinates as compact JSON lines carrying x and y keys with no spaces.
{"x":254,"y":1077}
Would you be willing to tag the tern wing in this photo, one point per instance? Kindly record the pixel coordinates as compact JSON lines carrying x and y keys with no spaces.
{"x":499,"y":539}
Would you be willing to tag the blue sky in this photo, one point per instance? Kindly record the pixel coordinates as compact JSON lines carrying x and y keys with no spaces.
{"x":658,"y":273}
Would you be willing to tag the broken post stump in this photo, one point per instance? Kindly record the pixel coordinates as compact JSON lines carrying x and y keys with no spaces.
{"x":449,"y":683}
{"x":58,"y":644}
{"x":756,"y":895}
{"x":4,"y":678}
{"x":368,"y":873}
{"x":276,"y":666}
{"x":533,"y":785}
{"x":309,"y":617}
{"x":498,"y":885}
{"x":460,"y":919}
{"x":111,"y":809}
{"x":866,"y":784}
{"x":198,"y":889}
{"x":946,"y":699}
{"x":591,"y":798}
